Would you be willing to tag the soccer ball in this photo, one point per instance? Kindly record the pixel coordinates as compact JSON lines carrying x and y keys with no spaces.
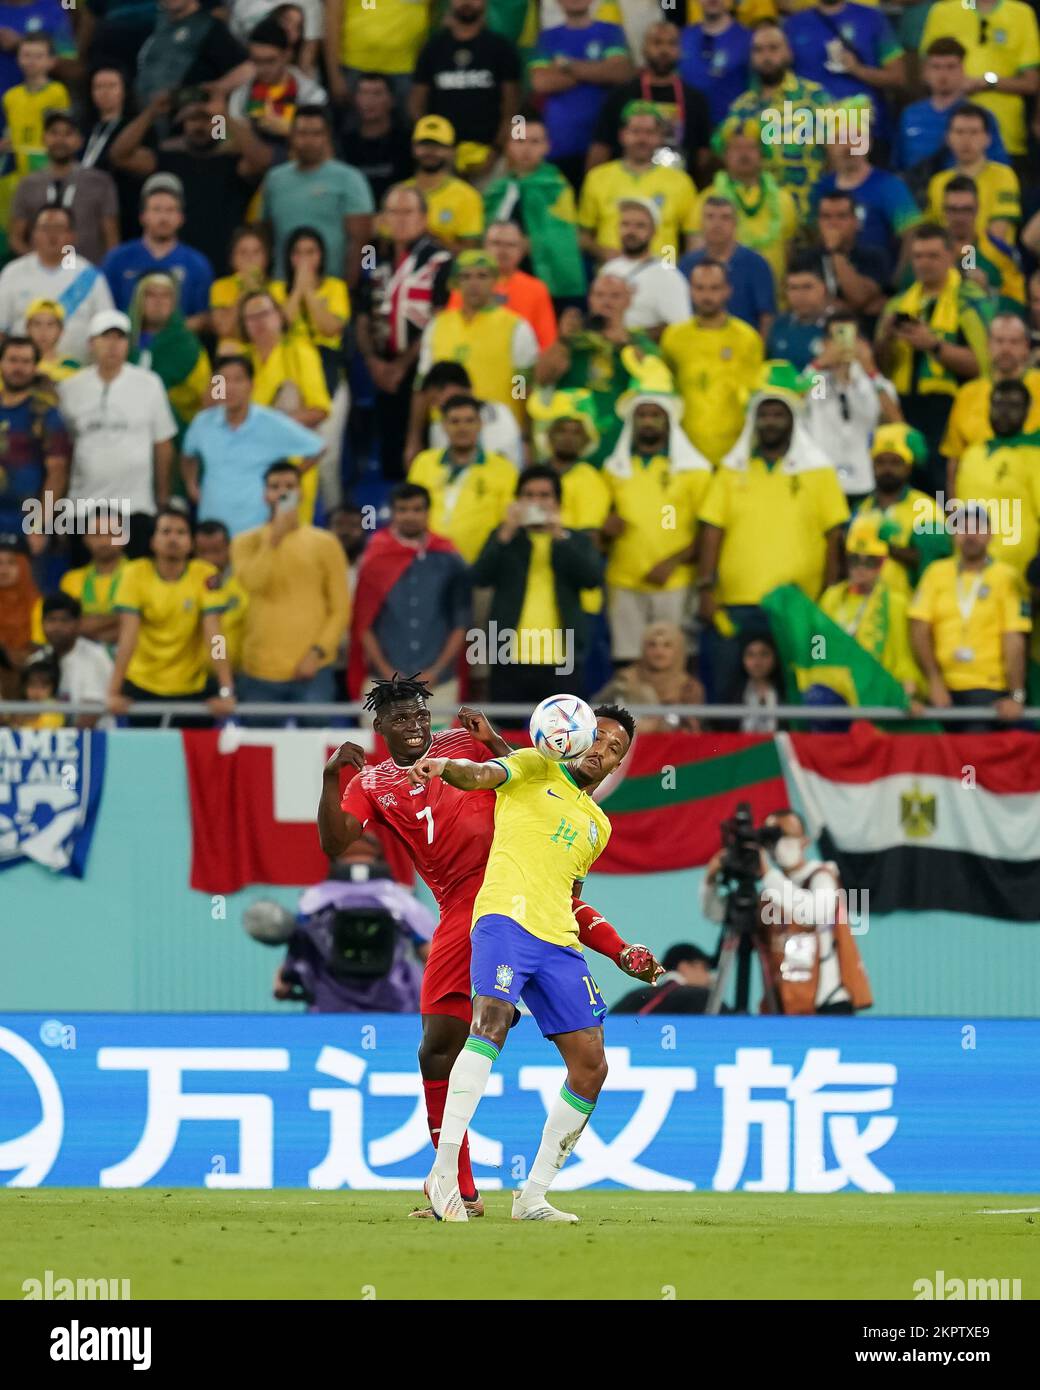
{"x":563,"y":727}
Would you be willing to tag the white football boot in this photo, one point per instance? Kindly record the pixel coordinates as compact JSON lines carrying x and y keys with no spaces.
{"x":538,"y":1210}
{"x":446,"y":1201}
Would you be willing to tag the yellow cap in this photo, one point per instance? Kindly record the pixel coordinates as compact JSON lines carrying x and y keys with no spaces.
{"x":45,"y":306}
{"x":863,"y":539}
{"x":437,"y":129}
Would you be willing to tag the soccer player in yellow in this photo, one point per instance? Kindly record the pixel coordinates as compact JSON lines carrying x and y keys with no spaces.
{"x":968,"y":624}
{"x":1003,"y":475}
{"x":548,"y":834}
{"x":166,"y":604}
{"x":635,"y":175}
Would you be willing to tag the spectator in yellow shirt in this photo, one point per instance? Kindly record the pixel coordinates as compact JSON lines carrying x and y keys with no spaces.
{"x":169,"y":631}
{"x":1000,"y":203}
{"x":316,"y":306}
{"x":250,"y":257}
{"x":657,"y":482}
{"x":213,"y":544}
{"x":96,"y":585}
{"x":25,"y":104}
{"x":295,"y":577}
{"x":1009,"y":354}
{"x":968,"y":624}
{"x":635,"y":175}
{"x":713,"y":357}
{"x":44,"y":324}
{"x":1003,"y":475}
{"x":454,"y":209}
{"x":470,"y":491}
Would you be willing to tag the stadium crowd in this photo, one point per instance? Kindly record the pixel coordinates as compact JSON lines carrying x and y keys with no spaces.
{"x":519,"y":343}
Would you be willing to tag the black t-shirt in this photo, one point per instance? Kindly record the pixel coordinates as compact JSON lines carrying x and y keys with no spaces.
{"x":384,"y":160}
{"x":465,"y":81}
{"x":219,"y":53}
{"x":695,"y":113}
{"x":215,"y":200}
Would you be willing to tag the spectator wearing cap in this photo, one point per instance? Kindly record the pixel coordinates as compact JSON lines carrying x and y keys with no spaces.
{"x":576,"y":66}
{"x":189,"y":47}
{"x":471,"y":76}
{"x":499,"y":432}
{"x":684,"y":988}
{"x":969,"y":621}
{"x":659,"y":80}
{"x":24,"y":106}
{"x":84,"y":666}
{"x":270,"y":101}
{"x":754,"y":295}
{"x":396,"y":300}
{"x":497,"y":346}
{"x":233,"y":444}
{"x":214,"y":178}
{"x":122,"y":430}
{"x":35,"y":458}
{"x":52,"y":271}
{"x":44,"y":321}
{"x":62,"y":181}
{"x":910,"y":521}
{"x":635,"y":174}
{"x":454,"y":209}
{"x":314,"y":190}
{"x":159,"y":249}
{"x":660,"y":292}
{"x":525,"y":294}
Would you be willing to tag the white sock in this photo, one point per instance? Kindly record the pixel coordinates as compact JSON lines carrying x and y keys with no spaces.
{"x":568,"y":1116}
{"x":466,"y":1086}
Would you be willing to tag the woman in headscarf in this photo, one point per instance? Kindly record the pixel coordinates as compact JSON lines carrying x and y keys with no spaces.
{"x":20,"y":601}
{"x":161,"y":341}
{"x":659,"y":677}
{"x":759,"y":684}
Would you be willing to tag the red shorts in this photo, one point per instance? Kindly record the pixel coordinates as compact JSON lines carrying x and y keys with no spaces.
{"x":446,"y":987}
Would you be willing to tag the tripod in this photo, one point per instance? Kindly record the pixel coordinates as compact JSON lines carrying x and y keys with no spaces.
{"x":741,"y":936}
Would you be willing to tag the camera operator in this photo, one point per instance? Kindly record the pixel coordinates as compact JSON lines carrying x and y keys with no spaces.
{"x":815,"y":963}
{"x":353,"y":946}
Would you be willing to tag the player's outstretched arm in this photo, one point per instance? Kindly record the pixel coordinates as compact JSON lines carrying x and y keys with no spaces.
{"x":597,"y":933}
{"x":338,"y":829}
{"x":458,"y":772}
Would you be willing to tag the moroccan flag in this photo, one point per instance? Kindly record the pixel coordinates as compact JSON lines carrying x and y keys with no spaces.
{"x":816,"y":651}
{"x":669,"y":795}
{"x":927,"y":822}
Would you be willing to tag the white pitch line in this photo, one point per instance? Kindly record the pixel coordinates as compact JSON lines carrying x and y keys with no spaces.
{"x":1006,"y":1211}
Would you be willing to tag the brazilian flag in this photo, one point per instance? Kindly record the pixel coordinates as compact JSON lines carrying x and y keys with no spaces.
{"x":817,"y":652}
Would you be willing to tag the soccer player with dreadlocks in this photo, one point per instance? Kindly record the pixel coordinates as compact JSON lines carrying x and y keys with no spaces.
{"x":448,"y":834}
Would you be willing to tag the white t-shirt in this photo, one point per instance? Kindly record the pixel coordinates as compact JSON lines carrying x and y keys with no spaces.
{"x":660,"y":294}
{"x":499,"y":432}
{"x":85,"y":287}
{"x":247,"y":14}
{"x":85,"y":672}
{"x":114,"y":427}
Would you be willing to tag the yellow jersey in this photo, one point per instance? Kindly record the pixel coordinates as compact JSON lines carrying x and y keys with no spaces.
{"x":169,"y":658}
{"x":670,"y":189}
{"x":539,"y":626}
{"x":96,"y":592}
{"x":775,"y":522}
{"x":969,"y":650}
{"x":659,"y":506}
{"x":920,"y":523}
{"x":454,"y":210}
{"x":1012,"y":47}
{"x":383,"y":38}
{"x":495,"y":346}
{"x":879,"y":622}
{"x":466,"y":503}
{"x":586,"y":498}
{"x":713,"y":370}
{"x":294,"y":362}
{"x":333,"y":293}
{"x":24,"y":112}
{"x":1005,"y":478}
{"x":969,"y":419}
{"x":548,"y":833}
{"x":998,"y":190}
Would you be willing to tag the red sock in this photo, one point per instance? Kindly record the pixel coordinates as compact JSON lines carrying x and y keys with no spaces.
{"x":436,"y":1091}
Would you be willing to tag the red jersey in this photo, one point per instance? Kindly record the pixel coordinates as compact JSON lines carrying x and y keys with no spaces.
{"x":446,"y":832}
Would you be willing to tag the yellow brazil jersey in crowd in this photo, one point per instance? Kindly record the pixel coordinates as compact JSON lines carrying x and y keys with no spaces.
{"x":23,"y":113}
{"x":774,"y":521}
{"x":797,"y":164}
{"x":879,"y":621}
{"x":454,"y":210}
{"x":292,"y":376}
{"x":998,"y":190}
{"x":670,"y":189}
{"x":767,"y":219}
{"x":1004,"y":476}
{"x":466,"y":503}
{"x":969,"y":613}
{"x":916,"y":520}
{"x":585,"y":507}
{"x":232,"y":621}
{"x":539,"y":622}
{"x":332,"y":292}
{"x":659,"y":506}
{"x":96,"y":592}
{"x":713,"y":368}
{"x":384,"y":37}
{"x":169,"y":659}
{"x":548,"y":832}
{"x":494,"y":345}
{"x":969,"y":419}
{"x":1011,"y":46}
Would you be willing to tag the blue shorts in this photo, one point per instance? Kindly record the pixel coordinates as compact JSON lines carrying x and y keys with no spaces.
{"x":507,"y":962}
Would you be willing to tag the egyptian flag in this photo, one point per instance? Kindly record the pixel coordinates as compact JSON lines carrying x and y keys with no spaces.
{"x":925,"y":822}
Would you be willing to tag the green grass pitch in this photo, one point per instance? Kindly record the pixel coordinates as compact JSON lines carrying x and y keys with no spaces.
{"x":190,"y":1244}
